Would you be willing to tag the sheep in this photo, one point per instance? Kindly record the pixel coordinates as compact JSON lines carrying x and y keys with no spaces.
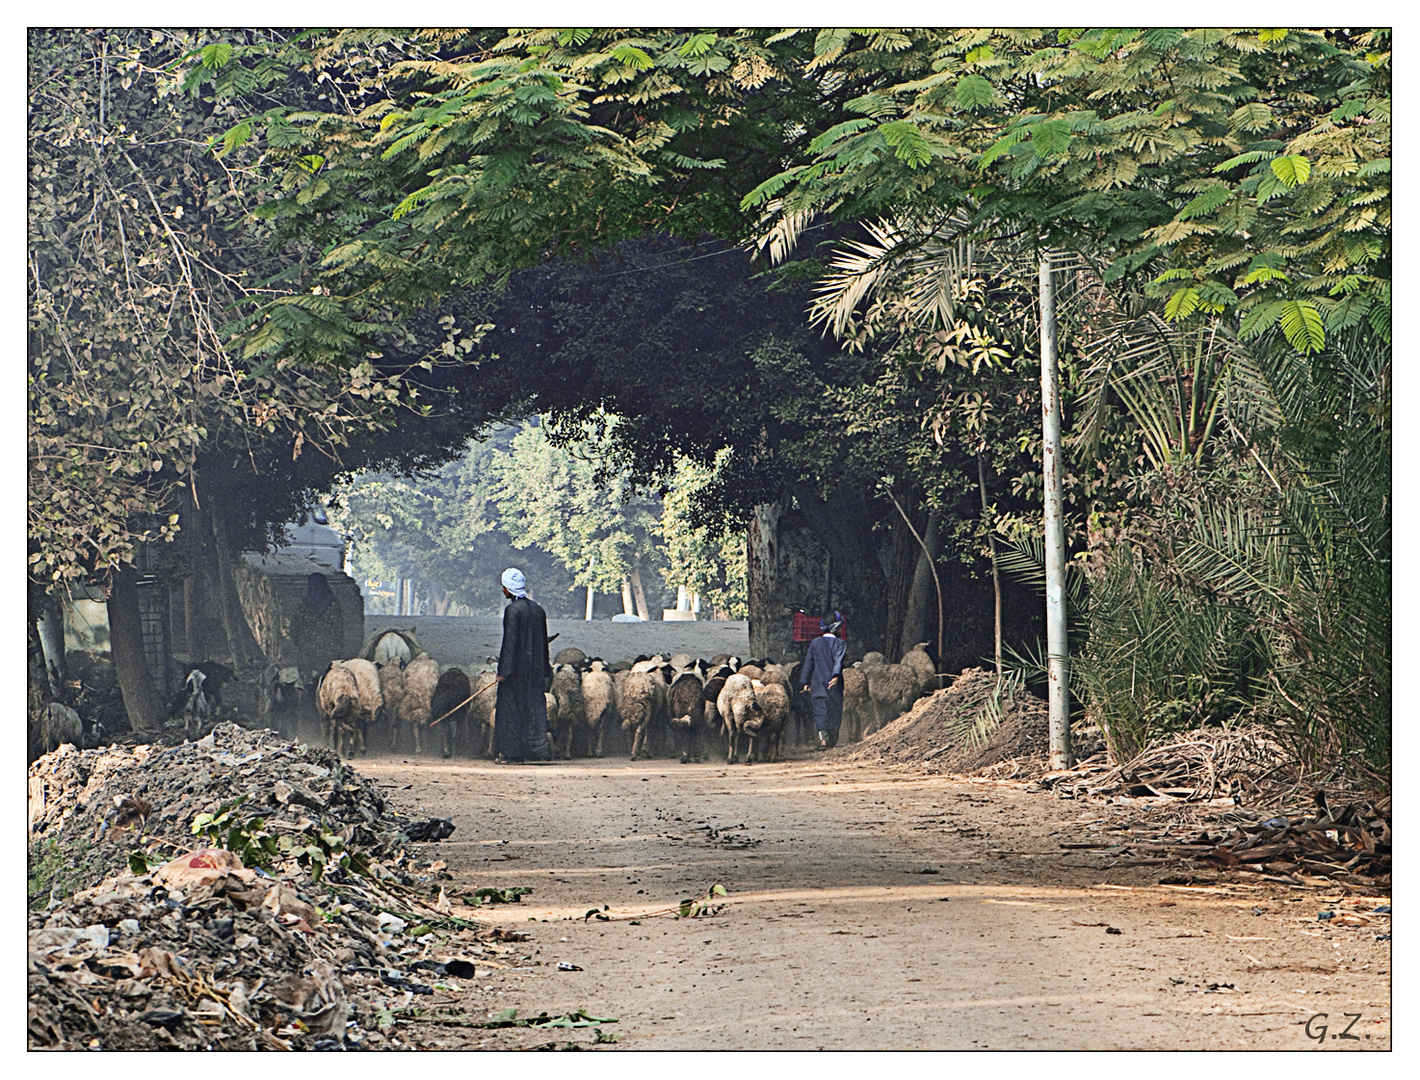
{"x":855,"y":702}
{"x":451,"y":692}
{"x":713,"y":685}
{"x":392,"y":689}
{"x":480,"y":715}
{"x":599,"y":704}
{"x":568,"y":710}
{"x":420,"y":679}
{"x":892,"y":689}
{"x":648,"y":663}
{"x":741,"y":714}
{"x":919,"y":661}
{"x":680,"y":661}
{"x":687,"y":709}
{"x":752,"y":671}
{"x":349,"y":697}
{"x":575,"y":657}
{"x":636,"y":702}
{"x":873,"y":659}
{"x":58,"y":724}
{"x":773,"y":701}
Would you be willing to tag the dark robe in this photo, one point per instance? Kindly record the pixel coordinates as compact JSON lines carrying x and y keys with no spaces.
{"x":520,"y":731}
{"x":822,"y":665}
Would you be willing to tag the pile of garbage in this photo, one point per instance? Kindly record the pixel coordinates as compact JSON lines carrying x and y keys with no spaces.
{"x":305,"y":918}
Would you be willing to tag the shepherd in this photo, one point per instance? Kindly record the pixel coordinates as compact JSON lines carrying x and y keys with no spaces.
{"x":822,"y":679}
{"x":524,"y":668}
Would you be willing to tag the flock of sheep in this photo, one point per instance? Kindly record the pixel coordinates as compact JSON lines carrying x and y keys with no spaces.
{"x":667,"y":706}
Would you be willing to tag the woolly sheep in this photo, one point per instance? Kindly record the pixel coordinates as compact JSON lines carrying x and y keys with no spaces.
{"x":917,"y":659}
{"x":687,"y":715}
{"x":567,"y":713}
{"x":599,"y":702}
{"x":855,"y":702}
{"x":420,"y":678}
{"x":768,"y":743}
{"x":892,"y":688}
{"x":349,"y":697}
{"x":740,"y":712}
{"x":575,"y":657}
{"x":479,"y":719}
{"x":451,"y":692}
{"x":58,"y":724}
{"x":873,"y":659}
{"x":637,"y":703}
{"x":751,"y":671}
{"x":392,"y":692}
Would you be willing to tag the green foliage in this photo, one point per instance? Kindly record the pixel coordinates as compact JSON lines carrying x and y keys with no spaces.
{"x":248,"y":839}
{"x":52,"y":872}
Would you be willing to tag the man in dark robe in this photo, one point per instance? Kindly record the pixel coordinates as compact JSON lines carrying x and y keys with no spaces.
{"x":520,"y":730}
{"x":822,"y":679}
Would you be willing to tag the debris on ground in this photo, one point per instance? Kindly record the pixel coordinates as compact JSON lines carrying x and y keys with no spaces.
{"x":951,"y":731}
{"x":1209,"y":763}
{"x":239,"y":892}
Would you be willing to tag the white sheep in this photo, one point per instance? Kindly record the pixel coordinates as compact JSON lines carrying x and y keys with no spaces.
{"x":637,"y":702}
{"x":58,"y":724}
{"x":349,"y":698}
{"x":740,"y":712}
{"x":420,"y":678}
{"x":598,"y":704}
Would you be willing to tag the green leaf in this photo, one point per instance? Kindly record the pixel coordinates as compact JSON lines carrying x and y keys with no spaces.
{"x":698,"y":44}
{"x":1206,"y":202}
{"x":1293,"y":169}
{"x":1049,"y":138}
{"x":975,"y":91}
{"x":1002,"y":145}
{"x":1302,"y":324}
{"x":907,"y":141}
{"x":1181,"y":305}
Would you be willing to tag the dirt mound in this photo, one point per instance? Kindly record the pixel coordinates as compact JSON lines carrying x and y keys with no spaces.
{"x":172,"y":943}
{"x":936,"y":732}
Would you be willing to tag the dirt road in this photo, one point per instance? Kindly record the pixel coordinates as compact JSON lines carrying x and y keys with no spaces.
{"x":866,"y":910}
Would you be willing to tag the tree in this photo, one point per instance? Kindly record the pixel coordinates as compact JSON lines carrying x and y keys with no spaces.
{"x":138,"y":245}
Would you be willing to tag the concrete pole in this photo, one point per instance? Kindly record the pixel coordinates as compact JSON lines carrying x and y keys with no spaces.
{"x":1057,"y":642}
{"x":590,"y":593}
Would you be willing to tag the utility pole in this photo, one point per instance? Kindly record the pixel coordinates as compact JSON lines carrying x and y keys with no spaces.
{"x":1057,"y":643}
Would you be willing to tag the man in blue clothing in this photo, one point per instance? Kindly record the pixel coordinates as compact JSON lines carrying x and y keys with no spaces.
{"x":822,"y":678}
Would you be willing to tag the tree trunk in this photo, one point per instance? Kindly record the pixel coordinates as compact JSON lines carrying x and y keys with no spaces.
{"x":240,"y":641}
{"x":628,"y":606}
{"x":51,"y":638}
{"x":640,"y":595}
{"x":843,"y":524}
{"x":995,"y":567}
{"x":906,"y":552}
{"x":441,"y":603}
{"x":125,"y":628}
{"x":921,"y":600}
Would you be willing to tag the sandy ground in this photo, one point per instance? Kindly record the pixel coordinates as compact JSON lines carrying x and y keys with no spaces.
{"x":869,"y":910}
{"x":460,"y":640}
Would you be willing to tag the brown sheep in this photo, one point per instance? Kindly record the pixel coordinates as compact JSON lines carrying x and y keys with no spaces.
{"x":568,"y":710}
{"x":687,"y":709}
{"x":392,"y":693}
{"x":451,"y":693}
{"x":917,"y":659}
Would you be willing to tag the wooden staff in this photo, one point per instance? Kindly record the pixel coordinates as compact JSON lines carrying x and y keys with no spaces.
{"x":464,"y":702}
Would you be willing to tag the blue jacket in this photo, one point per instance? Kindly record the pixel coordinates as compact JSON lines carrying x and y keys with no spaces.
{"x":823,"y":663}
